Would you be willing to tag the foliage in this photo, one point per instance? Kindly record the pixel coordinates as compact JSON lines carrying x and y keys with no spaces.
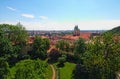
{"x":46,"y":43}
{"x":6,"y":47}
{"x":115,"y":30}
{"x":40,"y":48}
{"x":71,"y":58}
{"x":54,"y":55}
{"x":12,"y":39}
{"x":15,"y":33}
{"x":4,"y":69}
{"x":30,"y":69}
{"x":102,"y":58}
{"x":63,"y":45}
{"x":62,"y":59}
{"x":80,"y":72}
{"x":79,"y":47}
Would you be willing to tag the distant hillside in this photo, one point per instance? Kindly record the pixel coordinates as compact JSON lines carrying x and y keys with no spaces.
{"x":115,"y":30}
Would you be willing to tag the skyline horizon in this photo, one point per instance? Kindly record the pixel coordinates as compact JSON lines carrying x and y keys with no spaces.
{"x":70,"y":26}
{"x":61,"y":15}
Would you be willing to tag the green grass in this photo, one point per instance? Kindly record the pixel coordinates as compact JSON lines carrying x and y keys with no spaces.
{"x":66,"y":71}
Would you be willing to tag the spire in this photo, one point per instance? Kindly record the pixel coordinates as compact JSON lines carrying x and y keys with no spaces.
{"x":76,"y":31}
{"x":76,"y":27}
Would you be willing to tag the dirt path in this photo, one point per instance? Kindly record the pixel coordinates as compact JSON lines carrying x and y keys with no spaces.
{"x":53,"y":70}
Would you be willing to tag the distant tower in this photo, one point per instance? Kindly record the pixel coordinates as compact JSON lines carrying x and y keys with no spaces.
{"x":76,"y":31}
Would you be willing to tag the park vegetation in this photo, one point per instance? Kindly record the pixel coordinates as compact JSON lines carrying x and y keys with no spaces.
{"x":98,"y":58}
{"x":16,"y":60}
{"x":115,"y":30}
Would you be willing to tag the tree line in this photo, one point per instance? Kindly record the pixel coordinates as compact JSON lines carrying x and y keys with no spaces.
{"x":16,"y":59}
{"x":98,"y":58}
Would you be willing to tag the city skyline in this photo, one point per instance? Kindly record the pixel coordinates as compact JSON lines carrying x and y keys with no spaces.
{"x":62,"y":14}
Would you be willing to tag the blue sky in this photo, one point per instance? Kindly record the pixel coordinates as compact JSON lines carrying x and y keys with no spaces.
{"x":61,"y":14}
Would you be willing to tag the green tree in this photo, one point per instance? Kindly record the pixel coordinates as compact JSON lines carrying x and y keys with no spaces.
{"x":39,"y":48}
{"x":63,"y":45}
{"x":62,"y":59}
{"x":102,"y":57}
{"x":46,"y":43}
{"x":30,"y":69}
{"x":6,"y":48}
{"x":15,"y":33}
{"x":115,"y":30}
{"x":80,"y":72}
{"x":22,"y":34}
{"x":4,"y":69}
{"x":13,"y":39}
{"x":79,"y":47}
{"x":54,"y":55}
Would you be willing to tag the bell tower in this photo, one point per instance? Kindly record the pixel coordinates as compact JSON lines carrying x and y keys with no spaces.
{"x":76,"y":31}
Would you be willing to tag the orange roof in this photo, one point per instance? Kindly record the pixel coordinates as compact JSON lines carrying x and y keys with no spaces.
{"x":85,"y":35}
{"x":43,"y":36}
{"x":70,"y":37}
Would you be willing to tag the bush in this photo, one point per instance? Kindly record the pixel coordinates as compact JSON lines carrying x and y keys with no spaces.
{"x":80,"y":72}
{"x":54,"y":55}
{"x":62,"y":59}
{"x":30,"y":69}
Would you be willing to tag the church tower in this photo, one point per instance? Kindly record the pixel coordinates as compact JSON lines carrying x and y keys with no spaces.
{"x":76,"y":31}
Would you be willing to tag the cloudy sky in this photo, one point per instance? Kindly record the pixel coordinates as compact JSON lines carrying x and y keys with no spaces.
{"x":61,"y":14}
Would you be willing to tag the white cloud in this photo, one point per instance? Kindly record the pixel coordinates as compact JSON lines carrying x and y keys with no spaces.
{"x":43,"y":17}
{"x":28,"y":15}
{"x":10,"y":8}
{"x":83,"y":25}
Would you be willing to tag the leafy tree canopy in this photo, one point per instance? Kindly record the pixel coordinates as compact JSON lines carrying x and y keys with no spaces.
{"x":115,"y":30}
{"x":79,"y":47}
{"x":40,"y":47}
{"x":15,"y":33}
{"x":102,"y":57}
{"x":63,"y":45}
{"x":30,"y":69}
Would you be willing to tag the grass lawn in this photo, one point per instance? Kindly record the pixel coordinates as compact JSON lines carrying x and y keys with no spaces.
{"x":66,"y":71}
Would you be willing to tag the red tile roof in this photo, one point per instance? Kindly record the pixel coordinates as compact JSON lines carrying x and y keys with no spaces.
{"x":70,"y":37}
{"x":84,"y":35}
